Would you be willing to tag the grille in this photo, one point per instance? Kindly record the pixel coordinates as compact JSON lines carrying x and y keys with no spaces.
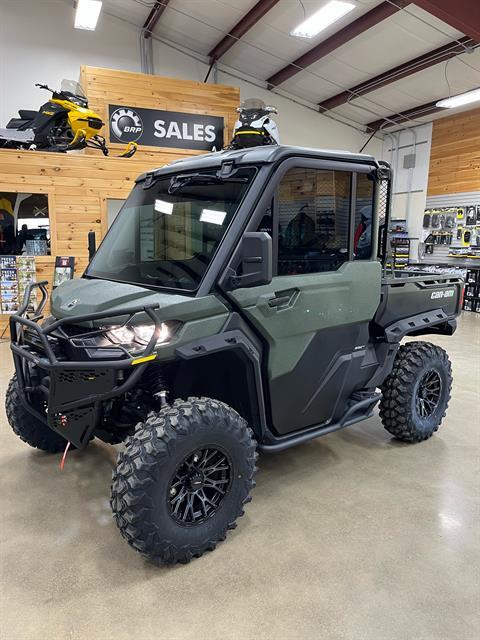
{"x":74,"y":377}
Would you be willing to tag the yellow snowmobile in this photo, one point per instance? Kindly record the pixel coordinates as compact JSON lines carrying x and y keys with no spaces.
{"x":64,"y":123}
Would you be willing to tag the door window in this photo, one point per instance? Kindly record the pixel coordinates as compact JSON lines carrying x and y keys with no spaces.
{"x":314,"y":214}
{"x":362,"y":237}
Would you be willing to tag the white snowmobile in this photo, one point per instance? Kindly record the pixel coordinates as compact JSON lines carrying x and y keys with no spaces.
{"x":254,"y":126}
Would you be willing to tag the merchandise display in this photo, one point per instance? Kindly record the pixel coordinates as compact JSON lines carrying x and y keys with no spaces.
{"x":454,"y":227}
{"x":26,"y":272}
{"x":399,"y":243}
{"x":127,"y":342}
{"x":16,"y":273}
{"x":471,"y":300}
{"x":8,"y":284}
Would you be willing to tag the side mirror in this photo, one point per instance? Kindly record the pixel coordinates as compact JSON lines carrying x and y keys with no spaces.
{"x":92,"y":246}
{"x":256,"y":251}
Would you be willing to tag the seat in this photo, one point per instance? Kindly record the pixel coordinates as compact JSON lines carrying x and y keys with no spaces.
{"x":27,"y":114}
{"x":16,"y":123}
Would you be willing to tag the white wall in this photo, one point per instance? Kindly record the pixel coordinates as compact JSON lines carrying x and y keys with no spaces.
{"x":410,"y":186}
{"x":39,"y":44}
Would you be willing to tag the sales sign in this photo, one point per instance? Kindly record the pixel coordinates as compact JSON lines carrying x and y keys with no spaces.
{"x":156,"y":128}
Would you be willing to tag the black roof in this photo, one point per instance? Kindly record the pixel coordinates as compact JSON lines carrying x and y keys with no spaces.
{"x":258,"y":155}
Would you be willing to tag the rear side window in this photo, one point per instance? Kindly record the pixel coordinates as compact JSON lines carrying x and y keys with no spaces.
{"x":362,"y":236}
{"x":314,"y":214}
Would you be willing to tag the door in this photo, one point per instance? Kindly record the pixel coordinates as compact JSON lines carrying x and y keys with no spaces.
{"x":314,"y":315}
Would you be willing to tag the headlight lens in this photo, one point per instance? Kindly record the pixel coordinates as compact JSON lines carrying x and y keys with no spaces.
{"x":139,"y":334}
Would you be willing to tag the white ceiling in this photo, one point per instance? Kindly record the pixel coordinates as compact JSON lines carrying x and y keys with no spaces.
{"x":199,"y":25}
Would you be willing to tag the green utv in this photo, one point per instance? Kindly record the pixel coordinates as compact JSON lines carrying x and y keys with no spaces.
{"x":237,"y":304}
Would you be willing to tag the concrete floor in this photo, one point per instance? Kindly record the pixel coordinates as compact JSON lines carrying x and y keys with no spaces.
{"x":353,"y":536}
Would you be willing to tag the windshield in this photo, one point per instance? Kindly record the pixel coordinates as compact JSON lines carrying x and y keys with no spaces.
{"x":70,"y":86}
{"x":167,"y":235}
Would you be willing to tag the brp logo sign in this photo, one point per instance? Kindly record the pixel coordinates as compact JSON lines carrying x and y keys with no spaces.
{"x":126,"y":125}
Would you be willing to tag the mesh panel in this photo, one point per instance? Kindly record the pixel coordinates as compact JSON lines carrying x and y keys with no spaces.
{"x":383,"y":200}
{"x":383,"y":204}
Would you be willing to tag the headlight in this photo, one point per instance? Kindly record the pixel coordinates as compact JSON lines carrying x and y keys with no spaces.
{"x":140,"y":334}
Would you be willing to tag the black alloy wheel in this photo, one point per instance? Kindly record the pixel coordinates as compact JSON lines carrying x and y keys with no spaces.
{"x":429,"y":392}
{"x":199,"y":485}
{"x":183,"y":479}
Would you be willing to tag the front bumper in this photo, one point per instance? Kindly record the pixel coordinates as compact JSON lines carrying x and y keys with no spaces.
{"x":67,"y":395}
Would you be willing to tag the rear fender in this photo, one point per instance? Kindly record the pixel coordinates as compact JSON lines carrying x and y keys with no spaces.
{"x":436,"y":321}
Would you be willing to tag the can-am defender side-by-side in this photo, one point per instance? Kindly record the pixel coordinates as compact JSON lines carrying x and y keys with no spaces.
{"x":237,"y":304}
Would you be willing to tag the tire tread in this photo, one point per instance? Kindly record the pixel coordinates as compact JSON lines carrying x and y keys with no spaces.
{"x":26,"y":426}
{"x":153,"y":442}
{"x":395,"y":405}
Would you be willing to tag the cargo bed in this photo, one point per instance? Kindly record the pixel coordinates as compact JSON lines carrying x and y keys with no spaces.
{"x":410,"y":302}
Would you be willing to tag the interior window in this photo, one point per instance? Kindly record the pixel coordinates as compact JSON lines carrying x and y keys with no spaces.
{"x":362,"y":237}
{"x":314,"y":206}
{"x":24,"y":224}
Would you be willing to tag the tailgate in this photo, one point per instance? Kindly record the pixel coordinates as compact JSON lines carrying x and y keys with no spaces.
{"x":402,"y":299}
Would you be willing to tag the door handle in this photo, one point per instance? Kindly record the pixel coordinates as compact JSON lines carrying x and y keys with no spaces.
{"x":283,"y":299}
{"x":279,"y":302}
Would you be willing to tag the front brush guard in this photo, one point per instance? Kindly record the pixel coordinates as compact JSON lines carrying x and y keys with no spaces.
{"x":72,"y":391}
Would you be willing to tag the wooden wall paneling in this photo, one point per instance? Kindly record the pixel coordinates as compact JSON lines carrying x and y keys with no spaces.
{"x":455,"y":154}
{"x":108,"y":86}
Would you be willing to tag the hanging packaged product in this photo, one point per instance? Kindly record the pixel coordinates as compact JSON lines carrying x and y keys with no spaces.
{"x":471,"y":217}
{"x":460,"y":213}
{"x":467,"y":235}
{"x":450,"y":221}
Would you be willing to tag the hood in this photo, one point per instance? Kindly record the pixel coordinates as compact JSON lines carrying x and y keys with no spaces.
{"x":84,"y":296}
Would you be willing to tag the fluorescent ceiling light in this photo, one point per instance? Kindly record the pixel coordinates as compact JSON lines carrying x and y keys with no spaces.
{"x":460,"y":100}
{"x":164,"y":207}
{"x":212,"y":216}
{"x":323,"y":18}
{"x":87,"y":14}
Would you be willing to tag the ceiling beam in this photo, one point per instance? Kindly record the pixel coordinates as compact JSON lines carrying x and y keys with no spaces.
{"x":404,"y":70}
{"x":405,"y":116}
{"x":352,"y":30}
{"x":463,"y":15}
{"x":250,"y":19}
{"x":154,"y":16}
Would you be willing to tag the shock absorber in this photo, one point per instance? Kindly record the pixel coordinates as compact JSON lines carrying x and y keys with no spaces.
{"x":156,"y":381}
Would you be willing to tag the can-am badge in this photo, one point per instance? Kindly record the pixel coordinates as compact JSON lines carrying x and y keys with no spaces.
{"x":72,"y":303}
